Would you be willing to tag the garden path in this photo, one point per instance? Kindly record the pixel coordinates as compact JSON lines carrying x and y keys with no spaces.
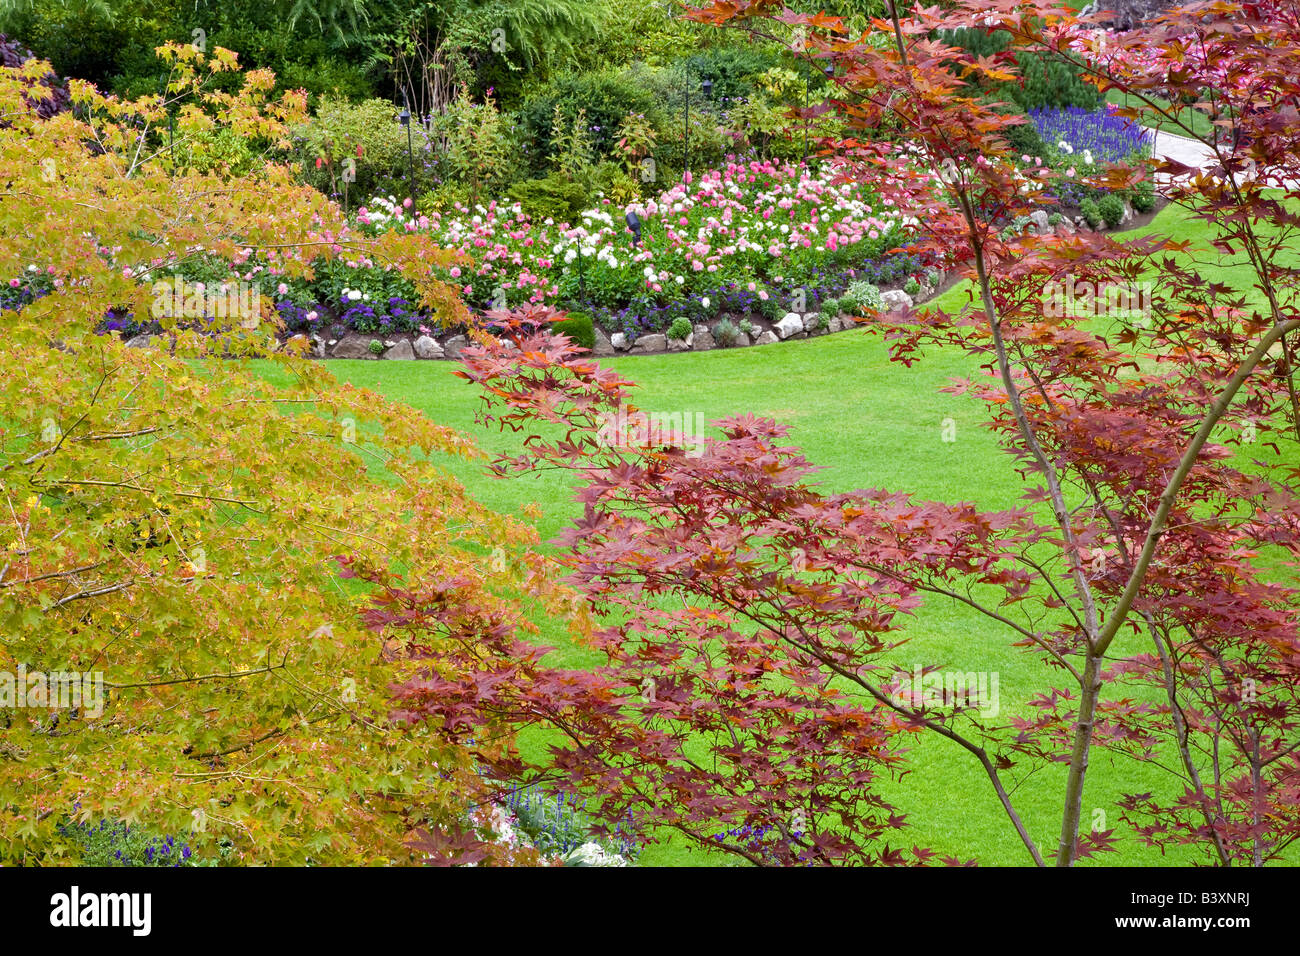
{"x":1189,"y":152}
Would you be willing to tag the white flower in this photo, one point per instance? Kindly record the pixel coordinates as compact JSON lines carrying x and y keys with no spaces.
{"x":1065,"y":147}
{"x":354,"y":295}
{"x":705,"y":302}
{"x":593,"y":854}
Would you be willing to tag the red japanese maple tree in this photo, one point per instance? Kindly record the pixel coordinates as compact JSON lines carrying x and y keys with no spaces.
{"x":748,"y":694}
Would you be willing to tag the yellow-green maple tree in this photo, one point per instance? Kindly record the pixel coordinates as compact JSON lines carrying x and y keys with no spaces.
{"x":172,"y":518}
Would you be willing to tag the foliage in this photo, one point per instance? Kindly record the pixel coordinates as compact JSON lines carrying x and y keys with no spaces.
{"x":605,"y":99}
{"x":362,"y":149}
{"x":48,"y":94}
{"x":862,"y":296}
{"x":1144,"y":196}
{"x":174,"y":527}
{"x":578,"y":327}
{"x":1091,"y":213}
{"x":555,"y":197}
{"x":480,"y":150}
{"x":1111,"y":209}
{"x":681,"y":329}
{"x":725,"y":333}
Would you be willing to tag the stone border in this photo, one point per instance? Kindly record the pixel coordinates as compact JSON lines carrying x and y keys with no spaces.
{"x":793,"y":325}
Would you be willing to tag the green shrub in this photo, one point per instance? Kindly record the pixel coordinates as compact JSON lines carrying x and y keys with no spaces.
{"x":864,"y":297}
{"x":680,"y":329}
{"x":579,"y":328}
{"x":480,"y":150}
{"x":554,"y":197}
{"x":831,"y":305}
{"x":1144,"y":196}
{"x":604,"y":97}
{"x":824,"y":318}
{"x":732,"y":69}
{"x":725,"y":333}
{"x":747,"y":326}
{"x":1111,"y":209}
{"x":1055,"y":219}
{"x":912,"y":286}
{"x":1089,"y":211}
{"x":365,"y":136}
{"x":376,"y":346}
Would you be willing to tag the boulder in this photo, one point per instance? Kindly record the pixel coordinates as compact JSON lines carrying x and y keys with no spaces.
{"x":318,"y":346}
{"x":353,"y":347}
{"x":681,"y":345}
{"x":767,"y":338}
{"x":401,"y":349}
{"x":741,"y":340}
{"x":452,"y":347}
{"x":895,"y":300}
{"x":603,"y":346}
{"x":427,"y":347}
{"x":650,"y":343}
{"x":791,"y":324}
{"x":835,"y":325}
{"x":703,"y":339}
{"x":1128,"y":14}
{"x":1039,"y":218}
{"x":139,"y":342}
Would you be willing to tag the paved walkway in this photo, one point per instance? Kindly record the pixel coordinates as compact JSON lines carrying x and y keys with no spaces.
{"x":1189,"y":152}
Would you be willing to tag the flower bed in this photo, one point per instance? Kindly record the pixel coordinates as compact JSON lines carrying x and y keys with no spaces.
{"x":750,"y":238}
{"x":746,"y":244}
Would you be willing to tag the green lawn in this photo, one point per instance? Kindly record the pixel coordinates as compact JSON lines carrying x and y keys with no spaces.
{"x":869,"y":423}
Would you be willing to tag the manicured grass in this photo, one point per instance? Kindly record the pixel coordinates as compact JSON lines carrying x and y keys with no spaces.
{"x":869,"y":423}
{"x":1198,"y":122}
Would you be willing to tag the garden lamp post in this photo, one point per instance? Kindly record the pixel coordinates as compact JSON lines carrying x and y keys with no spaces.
{"x":634,"y":223}
{"x":404,"y":118}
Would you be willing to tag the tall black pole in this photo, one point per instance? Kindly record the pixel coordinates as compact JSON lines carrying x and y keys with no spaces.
{"x":805,"y":118}
{"x":410,"y":151}
{"x":686,"y":146}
